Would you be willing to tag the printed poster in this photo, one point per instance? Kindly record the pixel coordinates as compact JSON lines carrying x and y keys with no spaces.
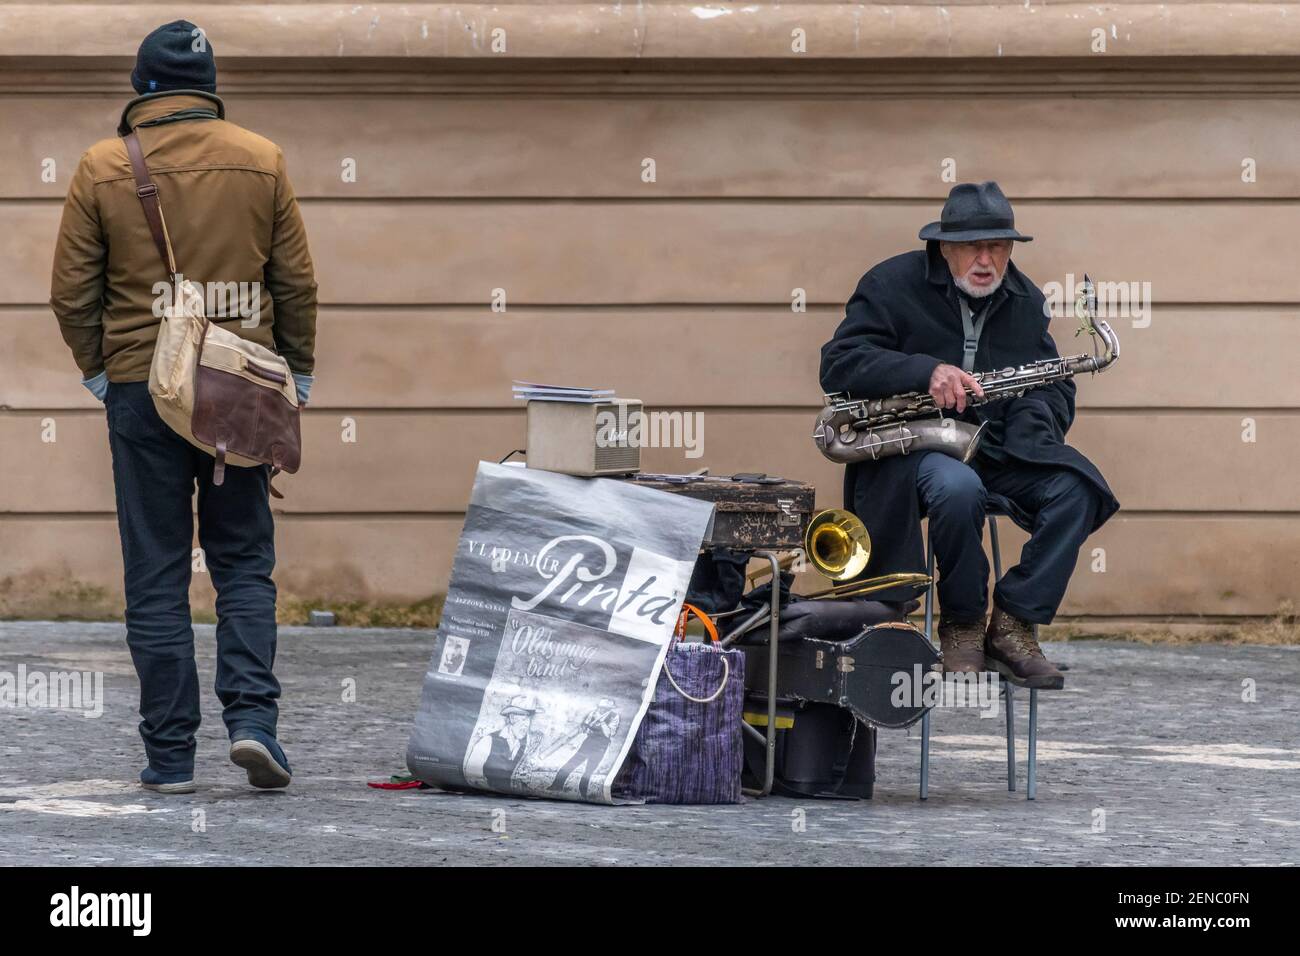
{"x":562,"y":602}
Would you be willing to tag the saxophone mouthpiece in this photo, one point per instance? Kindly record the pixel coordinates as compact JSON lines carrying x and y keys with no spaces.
{"x":1085,"y":306}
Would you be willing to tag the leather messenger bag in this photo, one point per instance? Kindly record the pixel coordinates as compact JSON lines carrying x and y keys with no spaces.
{"x":232,"y":398}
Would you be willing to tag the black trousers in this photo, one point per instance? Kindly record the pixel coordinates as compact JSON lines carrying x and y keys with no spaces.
{"x":155,"y":472}
{"x":954,"y":497}
{"x":592,"y":750}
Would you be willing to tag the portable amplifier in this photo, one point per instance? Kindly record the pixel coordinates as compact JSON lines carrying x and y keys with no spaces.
{"x":585,"y":439}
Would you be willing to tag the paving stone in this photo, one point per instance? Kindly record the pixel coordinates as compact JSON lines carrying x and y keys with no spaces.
{"x":1156,"y":737}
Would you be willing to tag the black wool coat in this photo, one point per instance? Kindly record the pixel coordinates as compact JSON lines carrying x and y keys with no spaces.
{"x":904,"y":320}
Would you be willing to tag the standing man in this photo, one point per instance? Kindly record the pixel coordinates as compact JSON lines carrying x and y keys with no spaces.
{"x":922,"y":322}
{"x":496,"y":756}
{"x":597,"y":730}
{"x":234,"y":223}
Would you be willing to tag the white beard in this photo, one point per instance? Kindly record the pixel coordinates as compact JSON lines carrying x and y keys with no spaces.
{"x":976,"y":292}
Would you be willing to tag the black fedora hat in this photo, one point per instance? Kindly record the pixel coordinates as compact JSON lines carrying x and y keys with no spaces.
{"x":975,"y":211}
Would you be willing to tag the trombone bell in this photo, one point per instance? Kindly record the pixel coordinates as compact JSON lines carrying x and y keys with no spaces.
{"x":837,"y":544}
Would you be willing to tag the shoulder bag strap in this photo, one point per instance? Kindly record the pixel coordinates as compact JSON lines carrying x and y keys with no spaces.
{"x":147,"y":190}
{"x":148,"y":193}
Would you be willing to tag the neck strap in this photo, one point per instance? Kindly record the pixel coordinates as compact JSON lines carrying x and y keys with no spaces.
{"x":973,"y":327}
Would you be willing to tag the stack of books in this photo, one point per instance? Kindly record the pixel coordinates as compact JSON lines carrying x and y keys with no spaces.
{"x":538,"y":392}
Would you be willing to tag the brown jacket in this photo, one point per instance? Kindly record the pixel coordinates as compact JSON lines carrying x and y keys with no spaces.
{"x":232,"y":218}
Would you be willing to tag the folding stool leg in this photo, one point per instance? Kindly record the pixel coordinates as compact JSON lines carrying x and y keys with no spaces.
{"x":997,"y":550}
{"x":929,"y":591}
{"x":1032,"y":792}
{"x":1010,"y":690}
{"x":1006,"y":685}
{"x":929,"y":636}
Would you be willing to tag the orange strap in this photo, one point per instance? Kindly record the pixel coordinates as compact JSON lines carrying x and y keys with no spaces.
{"x":709,"y":626}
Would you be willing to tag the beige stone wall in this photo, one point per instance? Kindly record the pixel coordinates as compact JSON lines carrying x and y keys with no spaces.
{"x":522,"y":171}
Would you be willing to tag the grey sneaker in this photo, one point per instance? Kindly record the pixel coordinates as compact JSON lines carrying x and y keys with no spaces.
{"x":258,"y":753}
{"x":157,"y":782}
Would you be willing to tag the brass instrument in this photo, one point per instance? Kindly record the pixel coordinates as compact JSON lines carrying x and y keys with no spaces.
{"x":881,"y":582}
{"x":851,"y":430}
{"x":837,"y":544}
{"x":839,"y":547}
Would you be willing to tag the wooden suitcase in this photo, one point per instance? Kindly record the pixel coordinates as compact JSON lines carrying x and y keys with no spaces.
{"x":752,"y":511}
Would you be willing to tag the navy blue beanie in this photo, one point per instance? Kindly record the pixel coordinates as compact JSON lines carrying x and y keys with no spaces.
{"x":176,"y":56}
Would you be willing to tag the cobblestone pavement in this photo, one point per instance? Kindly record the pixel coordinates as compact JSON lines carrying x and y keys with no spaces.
{"x":1158,"y":739}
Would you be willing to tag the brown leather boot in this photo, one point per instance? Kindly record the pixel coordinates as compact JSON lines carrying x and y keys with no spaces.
{"x":1012,"y":649}
{"x":962,"y":646}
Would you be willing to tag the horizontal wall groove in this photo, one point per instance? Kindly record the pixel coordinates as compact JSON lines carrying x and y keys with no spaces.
{"x":764,"y":199}
{"x":968,"y":78}
{"x":317,"y":410}
{"x":280,"y":515}
{"x":1291,"y":308}
{"x":399,"y":516}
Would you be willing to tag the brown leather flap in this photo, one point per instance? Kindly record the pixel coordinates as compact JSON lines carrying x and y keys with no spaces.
{"x":247,"y":418}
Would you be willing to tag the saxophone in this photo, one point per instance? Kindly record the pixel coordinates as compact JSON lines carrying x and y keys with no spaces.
{"x":851,"y":430}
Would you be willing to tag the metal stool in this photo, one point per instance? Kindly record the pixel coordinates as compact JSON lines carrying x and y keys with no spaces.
{"x":1008,"y":689}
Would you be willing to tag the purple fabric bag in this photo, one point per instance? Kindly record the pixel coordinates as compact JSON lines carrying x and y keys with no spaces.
{"x":690,"y":750}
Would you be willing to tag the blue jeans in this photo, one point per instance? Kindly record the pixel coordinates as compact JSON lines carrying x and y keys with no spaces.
{"x":155,"y":472}
{"x":954,"y":497}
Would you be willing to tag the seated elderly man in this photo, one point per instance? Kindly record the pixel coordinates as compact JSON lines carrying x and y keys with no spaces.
{"x":922,"y":322}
